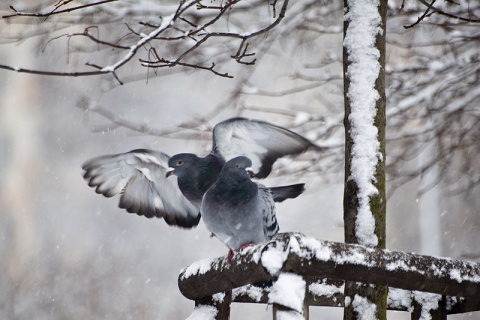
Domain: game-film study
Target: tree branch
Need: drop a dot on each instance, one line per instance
(53, 12)
(433, 9)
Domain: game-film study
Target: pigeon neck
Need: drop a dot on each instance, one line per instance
(198, 181)
(238, 191)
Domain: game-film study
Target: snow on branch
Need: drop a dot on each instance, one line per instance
(167, 22)
(363, 70)
(180, 34)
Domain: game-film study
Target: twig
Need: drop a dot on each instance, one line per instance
(48, 14)
(434, 9)
(422, 16)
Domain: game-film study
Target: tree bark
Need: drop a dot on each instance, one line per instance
(378, 294)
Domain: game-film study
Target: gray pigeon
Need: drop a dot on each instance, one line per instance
(140, 175)
(240, 212)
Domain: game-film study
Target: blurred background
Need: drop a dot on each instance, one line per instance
(68, 253)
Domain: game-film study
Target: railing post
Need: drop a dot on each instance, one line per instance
(289, 313)
(217, 307)
(288, 297)
(424, 307)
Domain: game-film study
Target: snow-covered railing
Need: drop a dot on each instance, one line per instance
(290, 272)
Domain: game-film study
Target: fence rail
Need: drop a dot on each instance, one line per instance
(322, 267)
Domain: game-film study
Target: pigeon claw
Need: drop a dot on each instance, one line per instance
(246, 245)
(229, 256)
(231, 252)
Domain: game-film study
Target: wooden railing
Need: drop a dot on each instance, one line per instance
(316, 271)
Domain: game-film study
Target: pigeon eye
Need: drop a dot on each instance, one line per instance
(237, 165)
(179, 162)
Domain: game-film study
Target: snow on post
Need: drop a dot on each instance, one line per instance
(288, 291)
(364, 308)
(203, 313)
(428, 301)
(363, 70)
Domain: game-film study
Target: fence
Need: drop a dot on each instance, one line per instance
(311, 272)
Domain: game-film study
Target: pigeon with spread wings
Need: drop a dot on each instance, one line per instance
(140, 176)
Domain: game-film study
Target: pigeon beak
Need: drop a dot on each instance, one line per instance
(250, 172)
(169, 172)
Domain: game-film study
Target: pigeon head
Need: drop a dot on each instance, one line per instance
(240, 165)
(182, 164)
(195, 175)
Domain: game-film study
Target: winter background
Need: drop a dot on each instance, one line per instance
(68, 253)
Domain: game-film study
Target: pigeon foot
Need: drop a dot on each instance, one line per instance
(229, 256)
(246, 245)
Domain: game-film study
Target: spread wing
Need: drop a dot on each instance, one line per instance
(139, 176)
(260, 141)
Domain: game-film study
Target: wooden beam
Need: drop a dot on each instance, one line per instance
(335, 298)
(308, 257)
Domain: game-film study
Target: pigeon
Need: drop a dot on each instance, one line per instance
(240, 212)
(153, 184)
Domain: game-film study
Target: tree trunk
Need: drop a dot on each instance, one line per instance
(377, 295)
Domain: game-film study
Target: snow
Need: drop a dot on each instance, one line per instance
(364, 308)
(321, 288)
(364, 25)
(399, 299)
(352, 257)
(289, 315)
(348, 300)
(203, 313)
(108, 69)
(452, 301)
(288, 291)
(301, 118)
(273, 258)
(455, 275)
(218, 297)
(428, 301)
(199, 267)
(245, 34)
(253, 292)
(321, 252)
(166, 22)
(399, 265)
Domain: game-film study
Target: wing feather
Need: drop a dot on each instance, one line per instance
(139, 176)
(260, 141)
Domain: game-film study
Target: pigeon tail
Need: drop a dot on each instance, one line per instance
(287, 192)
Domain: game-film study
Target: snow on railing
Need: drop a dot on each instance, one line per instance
(291, 272)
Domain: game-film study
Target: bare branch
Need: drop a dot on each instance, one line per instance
(53, 12)
(54, 73)
(422, 16)
(431, 9)
(161, 63)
